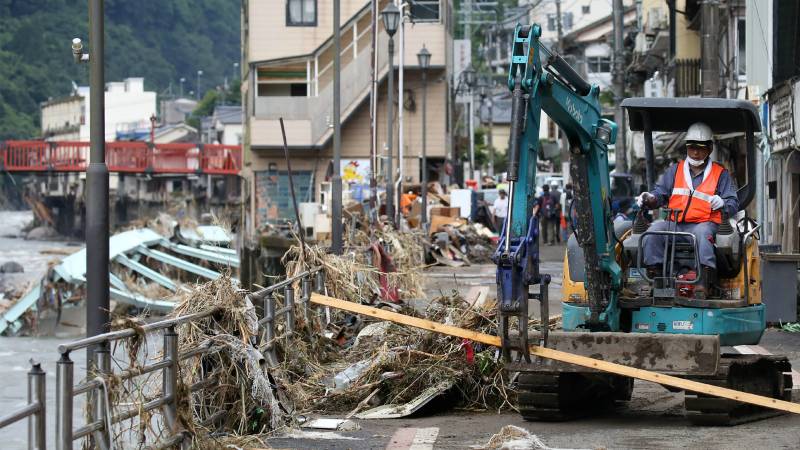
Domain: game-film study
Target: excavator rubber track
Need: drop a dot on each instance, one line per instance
(766, 375)
(548, 396)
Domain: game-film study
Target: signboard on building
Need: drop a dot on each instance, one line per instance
(462, 58)
(784, 116)
(354, 171)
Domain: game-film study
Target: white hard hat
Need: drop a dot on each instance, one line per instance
(699, 132)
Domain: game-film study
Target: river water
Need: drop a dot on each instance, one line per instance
(16, 352)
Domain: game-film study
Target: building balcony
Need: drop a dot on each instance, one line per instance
(299, 89)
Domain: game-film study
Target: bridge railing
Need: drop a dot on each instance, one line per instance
(34, 411)
(122, 156)
(165, 396)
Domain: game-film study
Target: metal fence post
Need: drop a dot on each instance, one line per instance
(320, 279)
(36, 393)
(64, 379)
(321, 290)
(102, 365)
(288, 303)
(170, 380)
(307, 287)
(269, 316)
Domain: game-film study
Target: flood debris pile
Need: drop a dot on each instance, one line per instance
(392, 371)
(458, 244)
(238, 399)
(385, 268)
(242, 386)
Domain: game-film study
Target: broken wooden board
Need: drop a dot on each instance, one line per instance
(406, 409)
(570, 358)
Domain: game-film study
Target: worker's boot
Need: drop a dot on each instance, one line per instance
(703, 289)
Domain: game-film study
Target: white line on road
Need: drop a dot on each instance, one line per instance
(413, 439)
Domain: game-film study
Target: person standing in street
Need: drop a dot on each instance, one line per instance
(548, 210)
(500, 210)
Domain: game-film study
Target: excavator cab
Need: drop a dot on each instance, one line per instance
(735, 119)
(648, 303)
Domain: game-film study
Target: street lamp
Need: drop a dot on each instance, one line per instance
(424, 58)
(183, 80)
(469, 76)
(486, 84)
(391, 18)
(469, 81)
(199, 73)
(236, 73)
(97, 221)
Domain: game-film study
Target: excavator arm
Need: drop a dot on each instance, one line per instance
(542, 81)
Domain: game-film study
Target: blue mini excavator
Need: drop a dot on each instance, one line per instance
(612, 309)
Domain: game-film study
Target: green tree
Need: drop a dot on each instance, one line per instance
(161, 41)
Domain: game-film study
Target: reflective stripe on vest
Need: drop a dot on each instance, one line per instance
(696, 203)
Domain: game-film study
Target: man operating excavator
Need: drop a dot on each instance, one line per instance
(703, 192)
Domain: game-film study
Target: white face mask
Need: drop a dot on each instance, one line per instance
(695, 162)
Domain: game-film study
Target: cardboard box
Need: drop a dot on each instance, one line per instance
(445, 211)
(438, 221)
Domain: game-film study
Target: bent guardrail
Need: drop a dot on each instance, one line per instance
(158, 398)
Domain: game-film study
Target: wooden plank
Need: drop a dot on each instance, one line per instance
(543, 352)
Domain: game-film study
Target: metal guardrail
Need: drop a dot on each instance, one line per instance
(287, 310)
(34, 411)
(100, 415)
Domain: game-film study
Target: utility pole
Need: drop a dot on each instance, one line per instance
(468, 36)
(619, 88)
(97, 282)
(709, 30)
(373, 110)
(336, 203)
(491, 125)
(562, 138)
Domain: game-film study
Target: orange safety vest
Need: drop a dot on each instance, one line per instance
(695, 204)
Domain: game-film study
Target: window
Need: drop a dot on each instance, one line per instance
(598, 64)
(586, 9)
(425, 11)
(566, 20)
(301, 13)
(551, 22)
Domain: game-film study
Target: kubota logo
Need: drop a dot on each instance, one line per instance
(573, 110)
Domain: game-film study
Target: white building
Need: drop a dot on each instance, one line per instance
(224, 126)
(128, 108)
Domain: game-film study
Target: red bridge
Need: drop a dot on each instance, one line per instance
(122, 156)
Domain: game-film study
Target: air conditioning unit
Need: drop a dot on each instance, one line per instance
(656, 20)
(642, 44)
(308, 217)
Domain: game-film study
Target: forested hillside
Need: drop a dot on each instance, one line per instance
(160, 40)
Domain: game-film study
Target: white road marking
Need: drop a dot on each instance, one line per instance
(424, 439)
(413, 439)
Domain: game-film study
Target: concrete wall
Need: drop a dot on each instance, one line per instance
(758, 45)
(266, 18)
(687, 42)
(63, 117)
